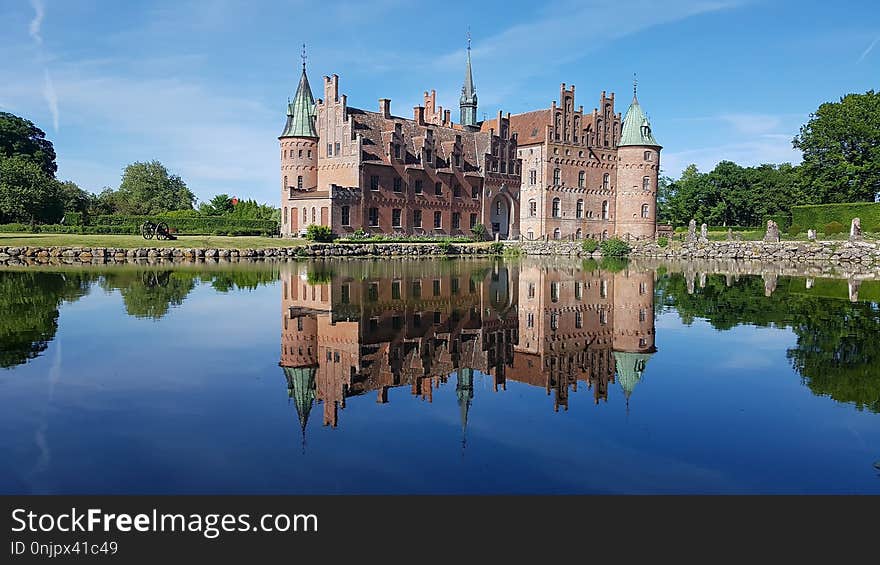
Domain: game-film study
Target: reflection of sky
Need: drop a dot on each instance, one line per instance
(196, 402)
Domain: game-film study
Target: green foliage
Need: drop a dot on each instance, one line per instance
(251, 210)
(496, 248)
(794, 229)
(614, 247)
(148, 189)
(200, 225)
(841, 153)
(27, 193)
(21, 138)
(512, 250)
(613, 264)
(479, 232)
(832, 228)
(73, 198)
(445, 247)
(319, 233)
(319, 274)
(217, 206)
(590, 245)
(361, 237)
(663, 241)
(782, 220)
(816, 216)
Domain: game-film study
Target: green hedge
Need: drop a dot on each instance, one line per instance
(817, 216)
(784, 221)
(205, 225)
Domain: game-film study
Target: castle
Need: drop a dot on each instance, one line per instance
(555, 173)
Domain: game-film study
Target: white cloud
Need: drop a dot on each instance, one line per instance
(867, 51)
(752, 124)
(51, 97)
(37, 22)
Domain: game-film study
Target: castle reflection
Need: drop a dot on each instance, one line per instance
(356, 328)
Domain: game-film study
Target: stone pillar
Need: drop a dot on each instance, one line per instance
(729, 234)
(772, 234)
(769, 282)
(853, 287)
(811, 234)
(855, 230)
(810, 281)
(692, 231)
(704, 233)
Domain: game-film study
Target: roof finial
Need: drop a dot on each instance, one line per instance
(304, 56)
(635, 85)
(469, 38)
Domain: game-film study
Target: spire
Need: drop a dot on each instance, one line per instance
(301, 112)
(629, 368)
(464, 390)
(301, 388)
(636, 128)
(468, 100)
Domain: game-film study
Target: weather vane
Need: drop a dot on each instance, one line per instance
(304, 56)
(635, 84)
(469, 37)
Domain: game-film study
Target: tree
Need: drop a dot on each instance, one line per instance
(27, 194)
(148, 188)
(20, 137)
(217, 206)
(841, 146)
(73, 198)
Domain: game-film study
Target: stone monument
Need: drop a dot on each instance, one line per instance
(704, 234)
(692, 231)
(772, 235)
(855, 230)
(811, 234)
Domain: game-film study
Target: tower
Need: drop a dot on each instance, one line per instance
(468, 101)
(633, 341)
(299, 151)
(638, 170)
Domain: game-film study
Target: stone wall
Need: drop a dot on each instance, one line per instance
(837, 252)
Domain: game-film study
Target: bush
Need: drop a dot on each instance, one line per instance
(445, 247)
(614, 247)
(479, 232)
(590, 245)
(74, 219)
(322, 234)
(663, 241)
(794, 229)
(832, 228)
(196, 225)
(496, 247)
(823, 214)
(382, 238)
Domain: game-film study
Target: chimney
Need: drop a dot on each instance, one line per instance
(385, 107)
(419, 115)
(447, 118)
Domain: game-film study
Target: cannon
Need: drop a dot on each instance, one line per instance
(158, 230)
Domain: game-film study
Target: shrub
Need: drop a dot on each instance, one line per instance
(496, 247)
(201, 225)
(832, 228)
(445, 247)
(319, 276)
(318, 233)
(819, 215)
(479, 232)
(663, 241)
(614, 247)
(612, 264)
(794, 229)
(590, 245)
(74, 218)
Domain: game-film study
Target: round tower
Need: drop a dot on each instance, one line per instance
(633, 341)
(298, 146)
(638, 171)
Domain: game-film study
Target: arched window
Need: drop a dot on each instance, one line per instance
(577, 128)
(579, 211)
(555, 211)
(645, 210)
(604, 234)
(305, 215)
(285, 182)
(531, 234)
(579, 234)
(582, 177)
(606, 181)
(604, 209)
(314, 214)
(558, 125)
(557, 176)
(299, 182)
(648, 156)
(646, 183)
(557, 234)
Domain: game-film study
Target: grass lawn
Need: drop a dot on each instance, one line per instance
(134, 241)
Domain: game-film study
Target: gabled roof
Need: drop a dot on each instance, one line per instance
(301, 112)
(529, 127)
(636, 128)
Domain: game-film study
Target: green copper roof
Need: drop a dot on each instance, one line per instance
(636, 128)
(468, 101)
(301, 112)
(630, 367)
(301, 388)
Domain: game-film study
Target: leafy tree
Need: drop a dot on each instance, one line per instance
(251, 210)
(104, 203)
(217, 206)
(841, 145)
(148, 188)
(73, 198)
(150, 293)
(20, 137)
(27, 194)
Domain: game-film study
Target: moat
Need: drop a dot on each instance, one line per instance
(476, 375)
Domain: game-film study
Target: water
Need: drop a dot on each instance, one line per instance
(437, 376)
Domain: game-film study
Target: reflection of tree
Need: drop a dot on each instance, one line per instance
(29, 303)
(837, 351)
(150, 293)
(227, 281)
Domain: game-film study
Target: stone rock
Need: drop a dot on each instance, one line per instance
(692, 231)
(704, 233)
(811, 234)
(772, 233)
(855, 230)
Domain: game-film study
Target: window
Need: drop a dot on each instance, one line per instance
(395, 290)
(533, 177)
(473, 220)
(533, 208)
(645, 210)
(314, 214)
(346, 216)
(475, 192)
(299, 182)
(329, 149)
(578, 319)
(603, 316)
(603, 288)
(456, 285)
(428, 156)
(579, 234)
(557, 176)
(531, 234)
(374, 217)
(578, 290)
(417, 218)
(643, 315)
(373, 292)
(395, 218)
(643, 342)
(604, 209)
(582, 177)
(285, 215)
(305, 215)
(438, 188)
(301, 153)
(346, 293)
(398, 185)
(606, 181)
(374, 182)
(499, 208)
(438, 220)
(554, 321)
(310, 153)
(555, 210)
(456, 191)
(417, 289)
(531, 290)
(285, 153)
(456, 220)
(337, 148)
(646, 183)
(396, 151)
(530, 320)
(643, 288)
(417, 187)
(437, 317)
(579, 211)
(557, 234)
(457, 159)
(435, 287)
(648, 156)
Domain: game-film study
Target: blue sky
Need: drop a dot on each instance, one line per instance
(202, 85)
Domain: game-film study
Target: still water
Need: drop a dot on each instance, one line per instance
(437, 376)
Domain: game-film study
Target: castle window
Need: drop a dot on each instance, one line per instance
(346, 216)
(579, 211)
(643, 315)
(554, 291)
(417, 293)
(582, 177)
(473, 221)
(346, 293)
(455, 285)
(417, 188)
(305, 215)
(285, 218)
(398, 185)
(603, 316)
(435, 287)
(530, 234)
(530, 320)
(643, 288)
(531, 290)
(533, 177)
(456, 220)
(604, 209)
(578, 290)
(646, 183)
(301, 153)
(337, 148)
(533, 208)
(579, 234)
(329, 149)
(374, 182)
(310, 153)
(643, 342)
(504, 167)
(578, 319)
(603, 289)
(438, 220)
(285, 182)
(438, 188)
(285, 153)
(456, 191)
(557, 176)
(557, 234)
(374, 217)
(645, 210)
(648, 156)
(373, 292)
(395, 218)
(299, 182)
(475, 192)
(498, 208)
(606, 181)
(417, 218)
(555, 210)
(554, 321)
(314, 214)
